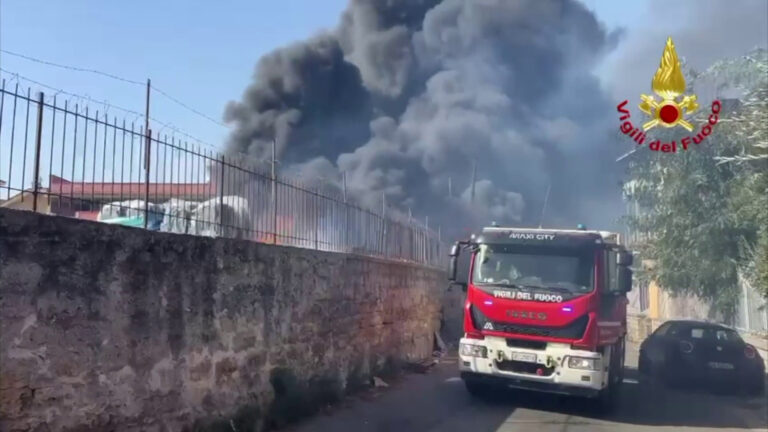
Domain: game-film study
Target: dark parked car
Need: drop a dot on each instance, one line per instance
(693, 352)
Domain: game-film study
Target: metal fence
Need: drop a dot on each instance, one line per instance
(752, 311)
(67, 159)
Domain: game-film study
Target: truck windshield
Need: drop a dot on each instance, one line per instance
(513, 266)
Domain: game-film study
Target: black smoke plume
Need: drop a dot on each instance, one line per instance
(405, 96)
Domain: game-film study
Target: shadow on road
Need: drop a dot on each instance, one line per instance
(437, 401)
(653, 404)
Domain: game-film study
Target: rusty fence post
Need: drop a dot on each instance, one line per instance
(146, 156)
(316, 211)
(147, 162)
(345, 239)
(221, 196)
(273, 179)
(38, 143)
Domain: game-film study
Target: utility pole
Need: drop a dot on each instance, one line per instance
(38, 142)
(344, 186)
(474, 180)
(544, 208)
(450, 188)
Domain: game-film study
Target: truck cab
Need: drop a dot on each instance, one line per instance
(545, 310)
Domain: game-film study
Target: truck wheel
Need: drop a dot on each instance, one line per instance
(606, 401)
(622, 351)
(478, 389)
(607, 398)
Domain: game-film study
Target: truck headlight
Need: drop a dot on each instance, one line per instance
(583, 363)
(470, 350)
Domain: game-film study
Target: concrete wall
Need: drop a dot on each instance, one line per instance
(112, 328)
(664, 305)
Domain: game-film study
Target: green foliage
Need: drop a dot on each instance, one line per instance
(706, 209)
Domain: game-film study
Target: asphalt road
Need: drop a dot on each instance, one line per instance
(437, 401)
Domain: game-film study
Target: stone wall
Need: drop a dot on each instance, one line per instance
(113, 328)
(452, 325)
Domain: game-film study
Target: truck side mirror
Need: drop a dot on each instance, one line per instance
(625, 279)
(455, 249)
(452, 271)
(452, 274)
(624, 258)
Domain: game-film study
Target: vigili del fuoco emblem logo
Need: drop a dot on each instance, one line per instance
(670, 109)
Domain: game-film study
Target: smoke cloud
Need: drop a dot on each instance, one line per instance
(406, 96)
(704, 31)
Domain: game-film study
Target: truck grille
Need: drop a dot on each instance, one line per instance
(574, 330)
(524, 368)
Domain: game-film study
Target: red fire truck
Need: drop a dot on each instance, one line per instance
(545, 311)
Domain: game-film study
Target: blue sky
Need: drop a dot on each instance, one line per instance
(202, 53)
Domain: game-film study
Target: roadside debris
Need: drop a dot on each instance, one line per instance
(378, 382)
(439, 343)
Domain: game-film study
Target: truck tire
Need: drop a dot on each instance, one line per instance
(607, 399)
(622, 348)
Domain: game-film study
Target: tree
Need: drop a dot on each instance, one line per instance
(705, 209)
(749, 132)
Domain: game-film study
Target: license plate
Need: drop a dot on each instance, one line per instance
(524, 357)
(718, 365)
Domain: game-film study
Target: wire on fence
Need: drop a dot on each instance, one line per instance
(75, 162)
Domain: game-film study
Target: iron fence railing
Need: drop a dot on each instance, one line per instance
(752, 311)
(67, 159)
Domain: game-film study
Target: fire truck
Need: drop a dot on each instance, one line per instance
(545, 310)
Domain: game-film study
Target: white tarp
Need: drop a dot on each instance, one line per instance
(228, 216)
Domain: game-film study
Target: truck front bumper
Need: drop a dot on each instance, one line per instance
(524, 384)
(544, 370)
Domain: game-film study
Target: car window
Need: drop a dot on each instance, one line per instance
(713, 334)
(662, 330)
(674, 330)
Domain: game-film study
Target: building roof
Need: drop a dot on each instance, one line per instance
(102, 191)
(26, 194)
